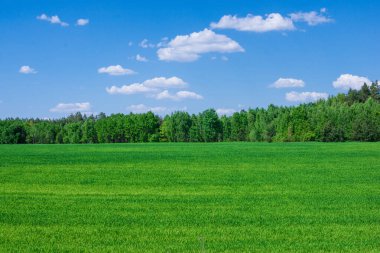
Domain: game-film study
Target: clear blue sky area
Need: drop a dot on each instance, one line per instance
(58, 57)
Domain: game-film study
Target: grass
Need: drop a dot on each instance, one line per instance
(232, 197)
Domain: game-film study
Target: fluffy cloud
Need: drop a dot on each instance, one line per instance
(347, 81)
(305, 96)
(72, 107)
(157, 88)
(148, 86)
(162, 82)
(225, 111)
(82, 22)
(141, 58)
(187, 48)
(311, 18)
(53, 19)
(271, 22)
(27, 70)
(141, 108)
(129, 89)
(288, 82)
(116, 70)
(180, 95)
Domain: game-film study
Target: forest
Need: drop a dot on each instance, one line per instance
(354, 116)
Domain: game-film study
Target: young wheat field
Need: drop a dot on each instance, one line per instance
(177, 197)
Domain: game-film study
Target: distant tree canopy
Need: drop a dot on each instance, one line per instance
(354, 116)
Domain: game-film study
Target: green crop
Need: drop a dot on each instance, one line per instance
(176, 197)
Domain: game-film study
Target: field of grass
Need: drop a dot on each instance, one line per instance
(236, 197)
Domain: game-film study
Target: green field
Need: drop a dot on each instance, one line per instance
(237, 197)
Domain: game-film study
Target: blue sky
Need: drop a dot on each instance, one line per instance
(57, 57)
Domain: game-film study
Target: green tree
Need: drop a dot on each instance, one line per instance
(211, 127)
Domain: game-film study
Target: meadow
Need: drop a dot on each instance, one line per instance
(197, 197)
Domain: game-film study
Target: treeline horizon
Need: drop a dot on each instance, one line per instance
(354, 116)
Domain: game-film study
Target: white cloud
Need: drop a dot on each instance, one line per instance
(129, 89)
(162, 82)
(148, 86)
(347, 81)
(157, 88)
(82, 22)
(225, 111)
(164, 95)
(141, 108)
(53, 19)
(311, 18)
(27, 70)
(288, 82)
(187, 48)
(141, 58)
(72, 107)
(180, 95)
(305, 96)
(271, 22)
(145, 44)
(116, 70)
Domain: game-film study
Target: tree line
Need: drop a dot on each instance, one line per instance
(354, 116)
